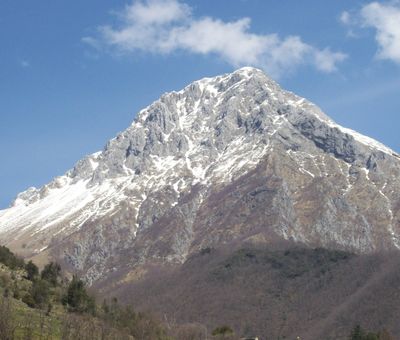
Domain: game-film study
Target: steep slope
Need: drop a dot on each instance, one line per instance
(276, 292)
(226, 159)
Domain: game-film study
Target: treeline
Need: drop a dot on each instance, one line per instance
(61, 308)
(43, 304)
(46, 288)
(359, 333)
(9, 259)
(64, 309)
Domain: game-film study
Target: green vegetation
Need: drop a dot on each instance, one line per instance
(32, 271)
(139, 325)
(223, 332)
(43, 305)
(360, 334)
(77, 298)
(51, 273)
(39, 294)
(9, 259)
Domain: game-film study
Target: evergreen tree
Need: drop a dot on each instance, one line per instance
(32, 271)
(77, 298)
(9, 259)
(40, 293)
(51, 273)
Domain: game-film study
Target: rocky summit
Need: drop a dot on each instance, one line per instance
(228, 159)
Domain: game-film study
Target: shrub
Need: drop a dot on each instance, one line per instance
(16, 291)
(223, 332)
(191, 332)
(5, 280)
(359, 334)
(28, 299)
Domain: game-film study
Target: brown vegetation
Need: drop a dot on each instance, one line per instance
(311, 293)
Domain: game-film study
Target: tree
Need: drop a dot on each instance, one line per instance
(9, 259)
(7, 321)
(191, 332)
(32, 271)
(357, 333)
(16, 290)
(77, 298)
(371, 336)
(39, 294)
(51, 273)
(223, 332)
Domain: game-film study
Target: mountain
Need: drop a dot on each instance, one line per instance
(227, 160)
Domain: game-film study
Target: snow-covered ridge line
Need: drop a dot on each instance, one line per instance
(368, 141)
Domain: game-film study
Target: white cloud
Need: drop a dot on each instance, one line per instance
(345, 18)
(385, 18)
(326, 60)
(165, 26)
(231, 40)
(156, 12)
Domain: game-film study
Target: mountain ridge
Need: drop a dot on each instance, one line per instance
(216, 137)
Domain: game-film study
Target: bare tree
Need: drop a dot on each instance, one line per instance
(191, 331)
(7, 322)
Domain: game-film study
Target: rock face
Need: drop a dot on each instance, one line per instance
(227, 159)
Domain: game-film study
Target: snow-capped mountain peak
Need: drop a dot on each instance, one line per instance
(189, 144)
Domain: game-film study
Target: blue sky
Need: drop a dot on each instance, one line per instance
(74, 73)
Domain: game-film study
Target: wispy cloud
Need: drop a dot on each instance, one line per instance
(384, 18)
(345, 18)
(24, 63)
(166, 26)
